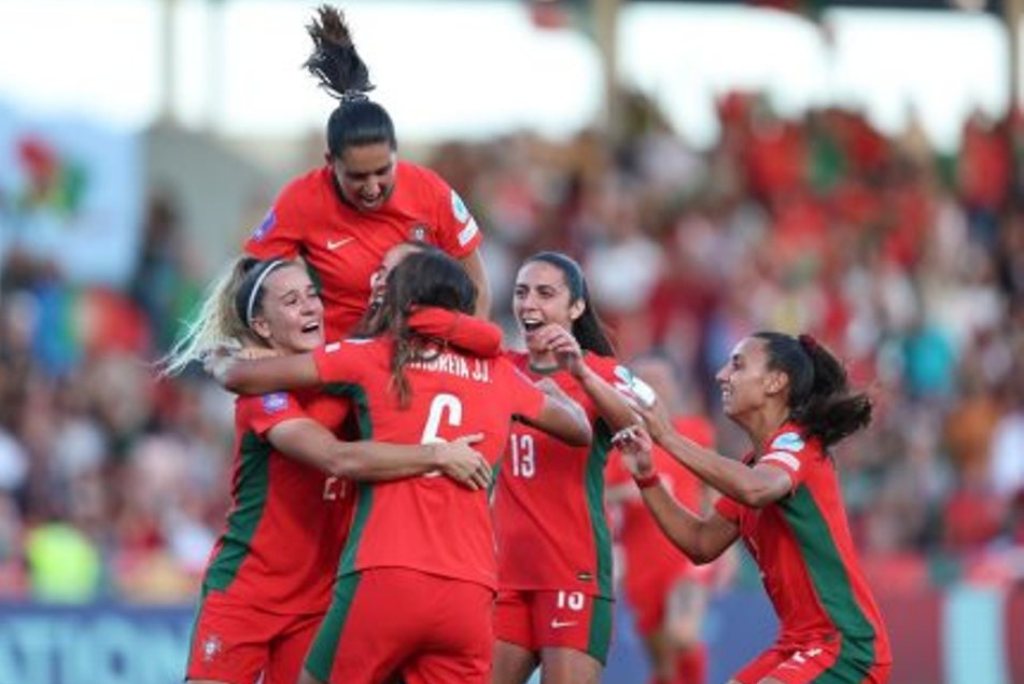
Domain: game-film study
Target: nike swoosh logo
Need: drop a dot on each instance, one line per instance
(335, 244)
(559, 624)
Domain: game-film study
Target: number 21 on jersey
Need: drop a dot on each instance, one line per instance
(523, 461)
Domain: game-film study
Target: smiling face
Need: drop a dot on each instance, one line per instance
(291, 316)
(746, 382)
(542, 296)
(366, 174)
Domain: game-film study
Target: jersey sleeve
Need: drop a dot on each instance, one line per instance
(729, 509)
(790, 452)
(261, 413)
(457, 231)
(526, 400)
(344, 361)
(625, 381)
(279, 234)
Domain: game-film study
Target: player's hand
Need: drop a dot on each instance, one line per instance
(635, 444)
(459, 461)
(217, 362)
(559, 341)
(655, 416)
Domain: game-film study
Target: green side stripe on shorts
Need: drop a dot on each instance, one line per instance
(254, 479)
(594, 484)
(600, 629)
(194, 631)
(320, 660)
(832, 584)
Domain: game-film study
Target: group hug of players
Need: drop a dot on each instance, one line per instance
(414, 502)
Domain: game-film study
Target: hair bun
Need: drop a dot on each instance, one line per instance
(808, 342)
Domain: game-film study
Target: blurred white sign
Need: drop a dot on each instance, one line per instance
(70, 193)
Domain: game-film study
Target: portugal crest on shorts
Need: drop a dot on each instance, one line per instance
(211, 647)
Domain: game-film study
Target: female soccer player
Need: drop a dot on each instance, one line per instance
(418, 575)
(343, 217)
(268, 583)
(792, 398)
(555, 564)
(667, 592)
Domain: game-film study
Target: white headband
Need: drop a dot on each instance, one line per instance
(256, 288)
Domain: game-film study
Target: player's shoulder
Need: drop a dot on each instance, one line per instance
(791, 439)
(299, 192)
(607, 366)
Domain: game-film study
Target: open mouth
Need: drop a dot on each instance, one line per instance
(531, 325)
(310, 327)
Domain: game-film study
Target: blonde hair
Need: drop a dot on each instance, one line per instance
(217, 323)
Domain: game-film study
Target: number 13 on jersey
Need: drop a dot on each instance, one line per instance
(523, 462)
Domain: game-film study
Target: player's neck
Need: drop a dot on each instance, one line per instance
(760, 426)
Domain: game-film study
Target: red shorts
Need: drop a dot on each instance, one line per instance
(563, 619)
(800, 666)
(384, 621)
(233, 642)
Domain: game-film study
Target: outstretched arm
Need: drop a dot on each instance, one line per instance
(755, 487)
(259, 376)
(702, 539)
(610, 403)
(308, 441)
(561, 417)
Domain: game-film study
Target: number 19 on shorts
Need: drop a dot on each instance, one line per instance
(523, 463)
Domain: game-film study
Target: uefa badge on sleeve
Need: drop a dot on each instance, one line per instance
(275, 402)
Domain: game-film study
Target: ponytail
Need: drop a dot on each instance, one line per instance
(820, 398)
(357, 120)
(217, 323)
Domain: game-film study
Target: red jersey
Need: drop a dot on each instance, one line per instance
(428, 523)
(344, 246)
(803, 547)
(549, 505)
(648, 554)
(288, 521)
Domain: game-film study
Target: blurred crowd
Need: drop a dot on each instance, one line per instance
(908, 263)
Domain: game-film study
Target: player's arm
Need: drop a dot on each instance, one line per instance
(308, 441)
(259, 376)
(278, 235)
(702, 539)
(755, 487)
(560, 416)
(474, 266)
(611, 405)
